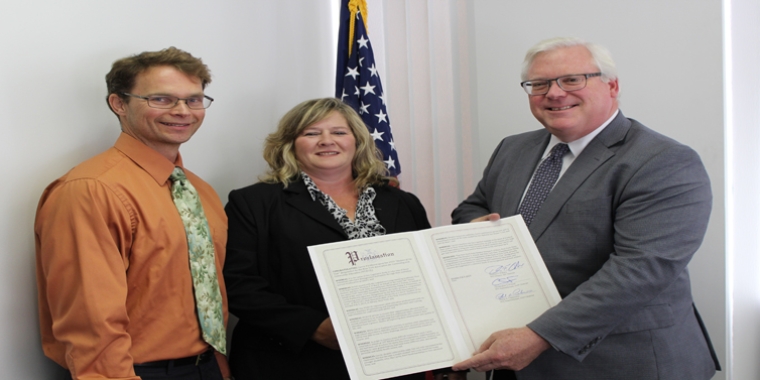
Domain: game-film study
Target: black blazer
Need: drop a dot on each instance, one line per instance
(271, 285)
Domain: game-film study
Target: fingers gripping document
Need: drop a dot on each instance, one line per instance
(415, 301)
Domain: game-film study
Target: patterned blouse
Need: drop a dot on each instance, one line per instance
(365, 222)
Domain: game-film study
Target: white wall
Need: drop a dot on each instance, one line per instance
(265, 56)
(742, 93)
(668, 55)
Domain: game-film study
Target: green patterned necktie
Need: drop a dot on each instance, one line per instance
(208, 298)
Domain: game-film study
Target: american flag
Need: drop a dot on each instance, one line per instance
(357, 82)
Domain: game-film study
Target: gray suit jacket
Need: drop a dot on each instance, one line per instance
(616, 233)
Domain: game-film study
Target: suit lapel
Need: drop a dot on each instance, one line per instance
(299, 198)
(596, 153)
(521, 170)
(386, 208)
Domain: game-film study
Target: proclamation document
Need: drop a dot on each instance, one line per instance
(416, 301)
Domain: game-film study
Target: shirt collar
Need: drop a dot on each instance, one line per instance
(311, 187)
(577, 146)
(148, 159)
(319, 194)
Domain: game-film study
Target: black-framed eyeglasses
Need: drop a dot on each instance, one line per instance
(167, 101)
(573, 82)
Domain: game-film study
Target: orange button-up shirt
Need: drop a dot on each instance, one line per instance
(113, 270)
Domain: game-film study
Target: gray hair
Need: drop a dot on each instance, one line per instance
(599, 53)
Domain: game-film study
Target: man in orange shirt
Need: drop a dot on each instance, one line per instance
(116, 294)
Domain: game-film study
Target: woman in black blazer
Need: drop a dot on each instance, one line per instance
(325, 183)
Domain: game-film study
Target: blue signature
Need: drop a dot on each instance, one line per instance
(495, 269)
(515, 293)
(504, 280)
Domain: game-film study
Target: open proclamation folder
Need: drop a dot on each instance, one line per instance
(415, 301)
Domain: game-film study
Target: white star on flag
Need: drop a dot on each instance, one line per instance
(381, 116)
(352, 72)
(377, 135)
(358, 84)
(368, 89)
(362, 43)
(363, 109)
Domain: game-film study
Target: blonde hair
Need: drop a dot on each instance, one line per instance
(279, 148)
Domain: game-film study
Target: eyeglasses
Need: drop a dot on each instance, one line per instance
(568, 83)
(167, 101)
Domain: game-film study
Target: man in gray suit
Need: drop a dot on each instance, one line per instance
(616, 230)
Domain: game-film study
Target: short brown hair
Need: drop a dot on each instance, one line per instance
(124, 72)
(279, 148)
